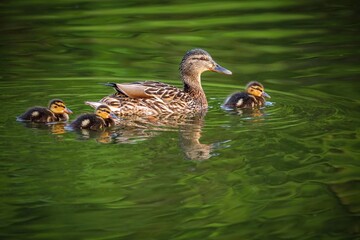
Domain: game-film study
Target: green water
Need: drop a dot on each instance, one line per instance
(288, 172)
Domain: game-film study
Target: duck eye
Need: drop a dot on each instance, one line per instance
(200, 58)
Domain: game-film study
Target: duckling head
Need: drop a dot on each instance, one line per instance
(57, 106)
(256, 89)
(197, 61)
(105, 112)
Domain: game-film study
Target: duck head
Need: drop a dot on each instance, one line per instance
(57, 106)
(256, 89)
(105, 112)
(197, 61)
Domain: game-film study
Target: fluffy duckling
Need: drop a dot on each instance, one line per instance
(56, 112)
(102, 118)
(253, 97)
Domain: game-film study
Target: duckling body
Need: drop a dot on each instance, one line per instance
(102, 118)
(156, 98)
(56, 112)
(253, 97)
(91, 121)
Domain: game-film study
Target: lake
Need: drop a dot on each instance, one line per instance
(288, 171)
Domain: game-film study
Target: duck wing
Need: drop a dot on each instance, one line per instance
(147, 89)
(132, 90)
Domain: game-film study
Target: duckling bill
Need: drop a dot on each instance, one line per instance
(102, 118)
(253, 97)
(55, 112)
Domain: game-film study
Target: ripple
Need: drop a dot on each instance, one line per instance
(291, 167)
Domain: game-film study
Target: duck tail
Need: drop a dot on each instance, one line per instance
(110, 84)
(93, 104)
(115, 86)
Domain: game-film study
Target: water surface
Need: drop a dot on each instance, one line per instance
(289, 171)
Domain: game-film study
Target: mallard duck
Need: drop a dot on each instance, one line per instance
(151, 98)
(253, 97)
(102, 118)
(56, 112)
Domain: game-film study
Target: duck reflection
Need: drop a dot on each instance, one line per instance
(189, 128)
(189, 135)
(141, 129)
(102, 136)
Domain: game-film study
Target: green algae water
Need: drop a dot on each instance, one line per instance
(289, 171)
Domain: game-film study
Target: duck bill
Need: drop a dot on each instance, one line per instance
(221, 69)
(113, 116)
(68, 111)
(264, 94)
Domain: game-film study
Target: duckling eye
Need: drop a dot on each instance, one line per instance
(203, 58)
(57, 105)
(258, 89)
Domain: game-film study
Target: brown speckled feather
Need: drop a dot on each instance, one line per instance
(163, 99)
(151, 98)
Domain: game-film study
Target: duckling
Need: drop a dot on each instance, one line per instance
(102, 118)
(152, 98)
(56, 112)
(253, 97)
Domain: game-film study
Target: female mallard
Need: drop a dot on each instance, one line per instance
(156, 98)
(102, 118)
(253, 97)
(56, 112)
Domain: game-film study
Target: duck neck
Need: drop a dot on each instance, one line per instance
(192, 86)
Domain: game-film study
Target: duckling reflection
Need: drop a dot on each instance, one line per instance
(254, 114)
(56, 128)
(101, 136)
